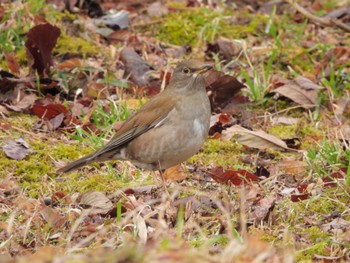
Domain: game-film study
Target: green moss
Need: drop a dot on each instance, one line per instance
(310, 131)
(20, 120)
(218, 152)
(221, 240)
(307, 254)
(75, 45)
(37, 170)
(202, 24)
(314, 234)
(283, 131)
(55, 17)
(317, 207)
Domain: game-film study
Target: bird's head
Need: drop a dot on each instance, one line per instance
(187, 73)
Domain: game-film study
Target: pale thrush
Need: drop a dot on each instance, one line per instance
(167, 130)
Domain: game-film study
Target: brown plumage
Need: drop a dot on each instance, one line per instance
(167, 130)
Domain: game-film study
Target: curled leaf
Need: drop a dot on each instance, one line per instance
(96, 202)
(254, 139)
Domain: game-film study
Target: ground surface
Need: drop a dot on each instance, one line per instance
(272, 182)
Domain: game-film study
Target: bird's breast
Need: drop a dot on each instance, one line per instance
(199, 127)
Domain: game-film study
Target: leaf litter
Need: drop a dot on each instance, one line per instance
(207, 218)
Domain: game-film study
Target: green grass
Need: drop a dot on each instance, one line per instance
(328, 157)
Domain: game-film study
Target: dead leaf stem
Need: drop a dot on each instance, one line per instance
(319, 20)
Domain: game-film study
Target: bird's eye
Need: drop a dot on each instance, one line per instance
(185, 70)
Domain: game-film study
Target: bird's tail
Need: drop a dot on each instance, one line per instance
(77, 164)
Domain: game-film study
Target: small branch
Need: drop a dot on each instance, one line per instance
(318, 20)
(149, 23)
(39, 136)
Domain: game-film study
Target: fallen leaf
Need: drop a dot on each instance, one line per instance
(226, 48)
(48, 111)
(27, 205)
(135, 67)
(340, 105)
(9, 185)
(141, 228)
(157, 9)
(96, 202)
(221, 89)
(16, 149)
(285, 120)
(175, 174)
(254, 139)
(55, 122)
(6, 82)
(261, 210)
(198, 204)
(237, 177)
(332, 179)
(4, 111)
(12, 63)
(2, 12)
(301, 90)
(177, 51)
(61, 197)
(41, 40)
(218, 122)
(337, 223)
(293, 167)
(69, 64)
(307, 84)
(301, 193)
(54, 219)
(25, 103)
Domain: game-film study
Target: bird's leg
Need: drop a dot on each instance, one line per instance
(163, 179)
(163, 182)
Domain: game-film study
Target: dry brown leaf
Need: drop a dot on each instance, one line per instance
(175, 174)
(307, 84)
(262, 209)
(16, 149)
(307, 99)
(141, 228)
(41, 40)
(27, 205)
(224, 47)
(70, 64)
(52, 217)
(301, 90)
(9, 185)
(96, 202)
(55, 122)
(254, 139)
(157, 9)
(340, 106)
(341, 132)
(293, 167)
(135, 67)
(337, 224)
(222, 89)
(284, 120)
(25, 103)
(4, 111)
(12, 63)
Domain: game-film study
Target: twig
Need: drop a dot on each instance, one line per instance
(149, 23)
(319, 20)
(32, 134)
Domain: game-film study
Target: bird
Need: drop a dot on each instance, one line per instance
(167, 130)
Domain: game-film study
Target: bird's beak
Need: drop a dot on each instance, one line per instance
(203, 69)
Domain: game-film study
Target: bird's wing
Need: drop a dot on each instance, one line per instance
(154, 113)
